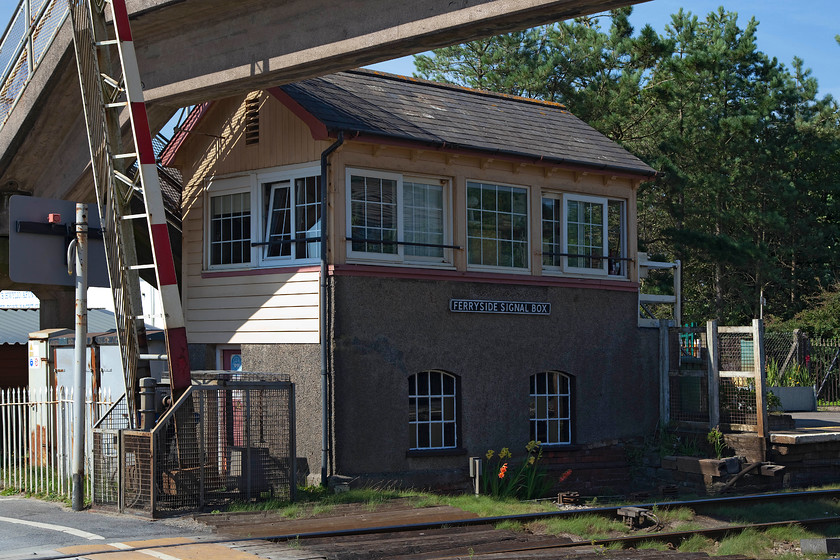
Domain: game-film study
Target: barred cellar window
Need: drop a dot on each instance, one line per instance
(551, 408)
(432, 402)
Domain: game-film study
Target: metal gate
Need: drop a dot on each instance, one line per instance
(714, 376)
(243, 448)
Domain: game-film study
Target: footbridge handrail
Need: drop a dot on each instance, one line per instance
(27, 37)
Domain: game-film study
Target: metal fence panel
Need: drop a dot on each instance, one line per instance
(36, 439)
(687, 379)
(230, 438)
(794, 359)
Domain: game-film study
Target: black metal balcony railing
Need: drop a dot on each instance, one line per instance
(27, 38)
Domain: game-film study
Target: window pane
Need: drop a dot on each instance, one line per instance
(449, 435)
(553, 432)
(436, 409)
(474, 251)
(307, 217)
(423, 383)
(488, 199)
(437, 383)
(373, 211)
(279, 231)
(520, 202)
(541, 407)
(423, 410)
(437, 435)
(541, 433)
(449, 409)
(615, 244)
(505, 204)
(585, 234)
(423, 218)
(520, 255)
(564, 433)
(488, 252)
(497, 215)
(423, 436)
(505, 253)
(230, 229)
(448, 385)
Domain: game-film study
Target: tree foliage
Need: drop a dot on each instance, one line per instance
(748, 154)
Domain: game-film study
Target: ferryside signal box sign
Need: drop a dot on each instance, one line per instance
(502, 307)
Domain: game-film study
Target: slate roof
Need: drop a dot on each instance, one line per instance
(16, 324)
(409, 109)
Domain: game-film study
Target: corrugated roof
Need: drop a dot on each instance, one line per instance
(16, 324)
(384, 105)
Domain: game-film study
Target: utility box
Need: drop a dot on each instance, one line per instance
(52, 361)
(52, 371)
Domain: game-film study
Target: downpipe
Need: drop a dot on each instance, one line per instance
(324, 298)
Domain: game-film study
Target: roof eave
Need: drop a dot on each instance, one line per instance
(512, 155)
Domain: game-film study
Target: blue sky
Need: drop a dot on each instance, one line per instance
(804, 28)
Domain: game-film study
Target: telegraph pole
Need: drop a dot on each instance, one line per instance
(80, 246)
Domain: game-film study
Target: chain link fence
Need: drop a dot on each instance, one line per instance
(736, 350)
(230, 438)
(713, 372)
(688, 381)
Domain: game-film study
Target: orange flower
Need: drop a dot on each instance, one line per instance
(502, 471)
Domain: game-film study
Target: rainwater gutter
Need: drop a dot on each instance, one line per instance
(324, 298)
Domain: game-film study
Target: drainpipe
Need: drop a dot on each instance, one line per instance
(325, 415)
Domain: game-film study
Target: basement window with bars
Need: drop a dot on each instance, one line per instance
(432, 410)
(551, 408)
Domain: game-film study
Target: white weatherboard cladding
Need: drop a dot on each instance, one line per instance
(253, 309)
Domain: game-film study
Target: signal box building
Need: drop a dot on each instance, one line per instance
(480, 286)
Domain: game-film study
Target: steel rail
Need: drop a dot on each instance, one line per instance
(673, 537)
(526, 517)
(677, 536)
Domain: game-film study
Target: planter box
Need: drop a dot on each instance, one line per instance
(796, 399)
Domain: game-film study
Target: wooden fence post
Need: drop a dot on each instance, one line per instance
(664, 378)
(714, 374)
(760, 377)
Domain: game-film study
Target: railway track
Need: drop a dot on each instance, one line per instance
(444, 535)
